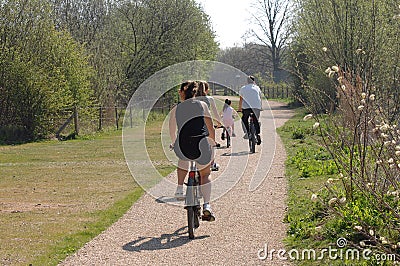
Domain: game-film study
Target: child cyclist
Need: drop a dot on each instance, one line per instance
(227, 119)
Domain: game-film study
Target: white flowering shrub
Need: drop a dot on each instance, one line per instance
(364, 141)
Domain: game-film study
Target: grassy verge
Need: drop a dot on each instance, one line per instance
(310, 225)
(56, 196)
(307, 167)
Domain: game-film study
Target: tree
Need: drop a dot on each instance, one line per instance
(250, 58)
(154, 34)
(272, 19)
(42, 71)
(358, 36)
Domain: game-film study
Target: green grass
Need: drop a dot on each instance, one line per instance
(56, 196)
(308, 167)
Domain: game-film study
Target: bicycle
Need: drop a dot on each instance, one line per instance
(192, 200)
(252, 135)
(226, 134)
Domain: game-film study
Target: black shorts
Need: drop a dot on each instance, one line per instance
(194, 149)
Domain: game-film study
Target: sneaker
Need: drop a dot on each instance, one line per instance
(208, 214)
(222, 136)
(179, 193)
(246, 136)
(258, 139)
(215, 167)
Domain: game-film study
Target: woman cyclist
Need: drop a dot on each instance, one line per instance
(202, 95)
(193, 136)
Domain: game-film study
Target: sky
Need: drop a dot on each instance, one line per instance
(230, 19)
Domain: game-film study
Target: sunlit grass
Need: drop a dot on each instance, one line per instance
(56, 196)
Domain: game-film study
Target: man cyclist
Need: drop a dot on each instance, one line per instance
(251, 102)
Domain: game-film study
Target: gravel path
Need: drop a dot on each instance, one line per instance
(249, 215)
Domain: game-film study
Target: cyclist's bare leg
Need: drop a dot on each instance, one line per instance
(205, 182)
(182, 171)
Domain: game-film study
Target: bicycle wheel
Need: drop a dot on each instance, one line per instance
(228, 138)
(252, 138)
(191, 221)
(196, 216)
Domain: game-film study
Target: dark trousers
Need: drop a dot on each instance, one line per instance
(245, 119)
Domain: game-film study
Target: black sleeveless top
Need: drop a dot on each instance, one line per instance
(190, 120)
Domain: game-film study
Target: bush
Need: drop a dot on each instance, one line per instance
(13, 134)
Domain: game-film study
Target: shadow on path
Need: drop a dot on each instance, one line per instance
(165, 241)
(242, 153)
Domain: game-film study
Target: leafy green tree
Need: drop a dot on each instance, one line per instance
(42, 71)
(154, 34)
(358, 36)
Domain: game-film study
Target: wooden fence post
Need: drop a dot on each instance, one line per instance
(76, 120)
(130, 116)
(116, 116)
(100, 118)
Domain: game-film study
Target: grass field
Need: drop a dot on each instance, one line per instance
(56, 196)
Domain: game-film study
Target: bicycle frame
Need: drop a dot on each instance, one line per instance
(192, 189)
(228, 132)
(192, 203)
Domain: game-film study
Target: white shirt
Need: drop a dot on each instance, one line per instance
(251, 95)
(228, 116)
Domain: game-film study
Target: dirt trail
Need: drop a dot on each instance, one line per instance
(155, 233)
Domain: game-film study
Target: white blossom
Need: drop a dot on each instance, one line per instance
(362, 243)
(316, 125)
(390, 160)
(343, 87)
(361, 107)
(385, 136)
(363, 95)
(330, 180)
(372, 97)
(384, 127)
(314, 197)
(324, 49)
(332, 201)
(371, 232)
(307, 117)
(358, 227)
